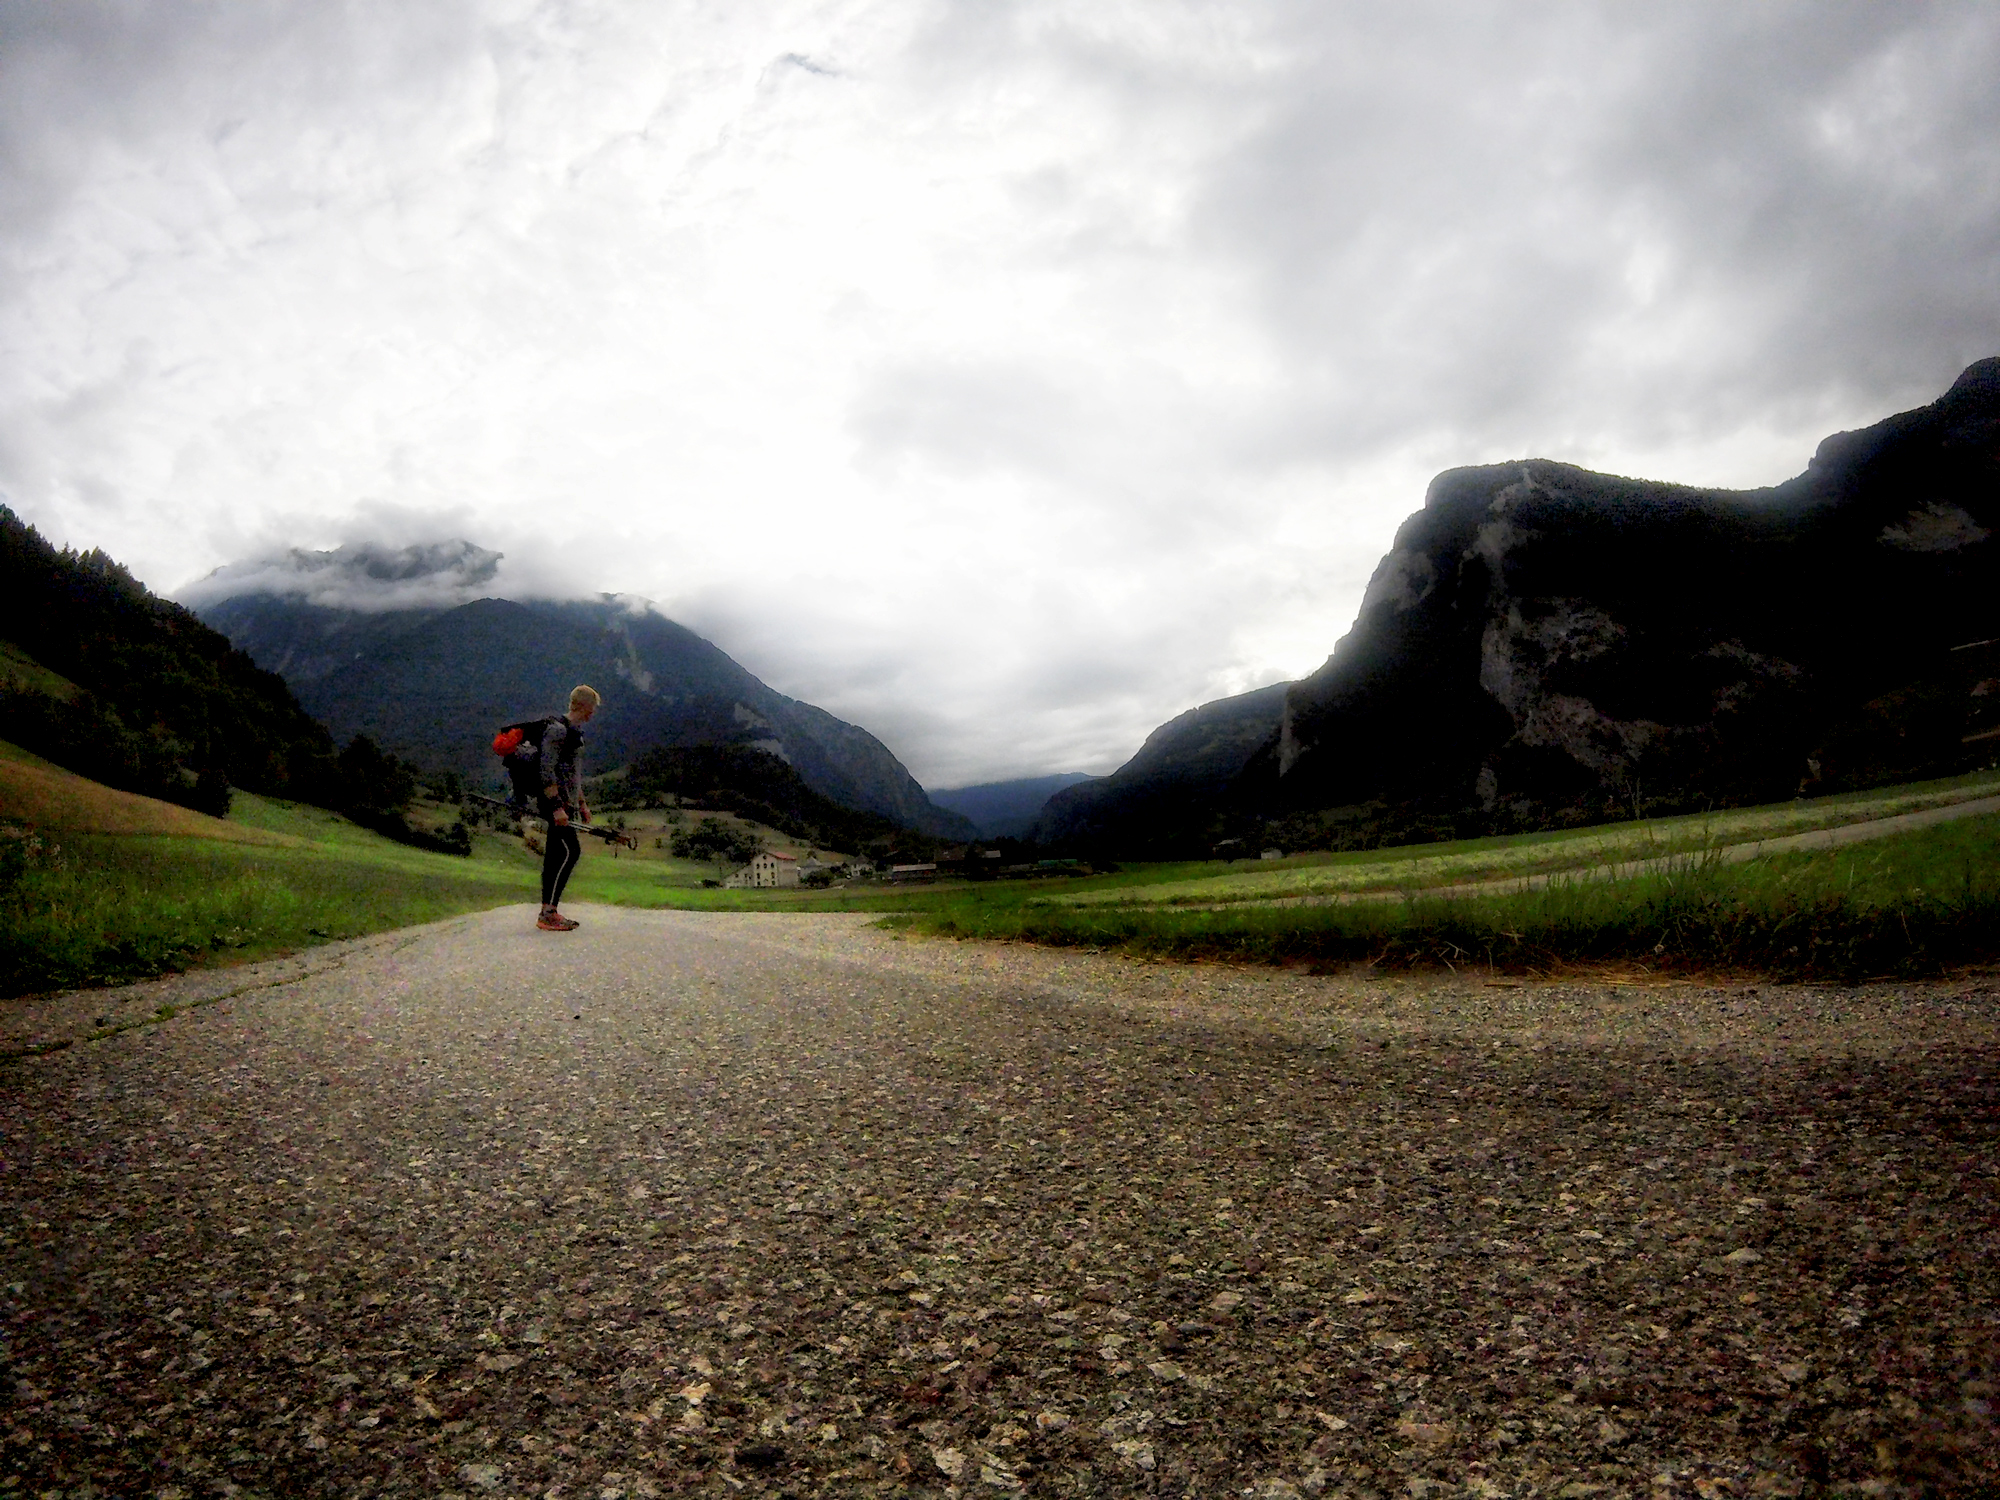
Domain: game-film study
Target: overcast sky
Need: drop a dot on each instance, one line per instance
(1003, 377)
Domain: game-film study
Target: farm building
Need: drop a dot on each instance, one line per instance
(766, 870)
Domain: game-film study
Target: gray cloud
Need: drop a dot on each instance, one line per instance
(1524, 221)
(967, 417)
(364, 576)
(1005, 377)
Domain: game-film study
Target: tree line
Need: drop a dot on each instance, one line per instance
(137, 693)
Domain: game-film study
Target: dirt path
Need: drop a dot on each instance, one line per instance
(720, 1204)
(1728, 854)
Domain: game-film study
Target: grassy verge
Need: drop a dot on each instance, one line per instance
(275, 877)
(105, 908)
(1416, 866)
(1900, 905)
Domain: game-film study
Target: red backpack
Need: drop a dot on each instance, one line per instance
(519, 747)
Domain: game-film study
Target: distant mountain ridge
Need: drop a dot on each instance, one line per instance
(432, 682)
(1157, 801)
(1007, 809)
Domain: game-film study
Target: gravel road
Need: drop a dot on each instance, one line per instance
(719, 1204)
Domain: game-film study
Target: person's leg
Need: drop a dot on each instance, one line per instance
(560, 853)
(565, 849)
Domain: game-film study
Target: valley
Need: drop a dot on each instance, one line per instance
(1580, 718)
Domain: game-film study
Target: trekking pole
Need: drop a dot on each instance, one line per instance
(609, 835)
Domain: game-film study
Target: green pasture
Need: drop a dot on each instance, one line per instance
(23, 673)
(101, 908)
(1425, 866)
(1904, 903)
(1908, 903)
(97, 907)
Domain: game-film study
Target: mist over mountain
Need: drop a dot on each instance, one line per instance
(1007, 809)
(364, 577)
(382, 642)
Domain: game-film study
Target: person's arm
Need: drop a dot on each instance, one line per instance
(554, 738)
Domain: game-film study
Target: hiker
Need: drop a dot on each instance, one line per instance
(561, 801)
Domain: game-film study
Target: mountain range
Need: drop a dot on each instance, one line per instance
(1541, 636)
(432, 676)
(1541, 644)
(1185, 766)
(1544, 643)
(1007, 809)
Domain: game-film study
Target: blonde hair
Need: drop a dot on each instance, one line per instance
(583, 695)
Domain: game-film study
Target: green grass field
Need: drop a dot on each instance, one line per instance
(1908, 903)
(93, 907)
(1425, 866)
(1901, 904)
(114, 887)
(118, 887)
(22, 672)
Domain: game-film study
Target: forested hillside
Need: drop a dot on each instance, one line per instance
(106, 679)
(154, 701)
(756, 784)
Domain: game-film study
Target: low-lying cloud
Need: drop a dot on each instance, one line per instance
(366, 576)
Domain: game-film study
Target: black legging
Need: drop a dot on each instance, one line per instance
(562, 852)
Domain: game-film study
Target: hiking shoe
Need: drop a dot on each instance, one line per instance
(552, 921)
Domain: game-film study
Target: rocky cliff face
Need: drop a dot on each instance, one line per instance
(433, 682)
(1541, 636)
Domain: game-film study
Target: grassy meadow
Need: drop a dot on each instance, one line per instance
(1428, 866)
(23, 673)
(110, 886)
(114, 887)
(1908, 903)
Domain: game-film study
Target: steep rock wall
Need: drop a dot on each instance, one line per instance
(1541, 635)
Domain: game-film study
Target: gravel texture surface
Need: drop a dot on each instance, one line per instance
(719, 1204)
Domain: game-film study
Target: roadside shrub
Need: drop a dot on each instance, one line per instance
(372, 782)
(23, 852)
(456, 839)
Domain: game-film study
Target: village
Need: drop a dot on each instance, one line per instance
(773, 868)
(738, 853)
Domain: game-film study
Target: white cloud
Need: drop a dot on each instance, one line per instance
(365, 576)
(1004, 377)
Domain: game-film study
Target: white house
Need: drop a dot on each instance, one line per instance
(770, 869)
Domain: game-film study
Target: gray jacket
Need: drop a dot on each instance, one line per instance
(562, 764)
